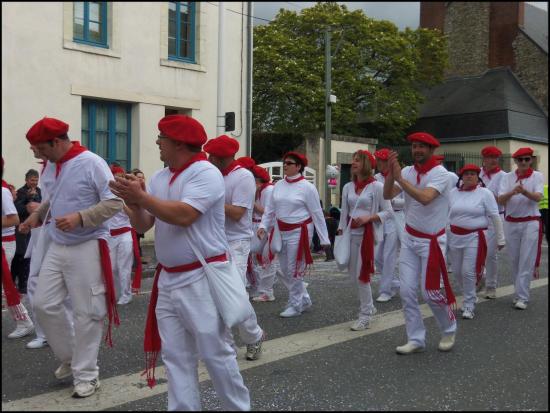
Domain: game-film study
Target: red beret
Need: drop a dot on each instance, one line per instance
(423, 137)
(523, 152)
(261, 173)
(371, 158)
(46, 129)
(117, 170)
(223, 146)
(246, 162)
(184, 129)
(301, 158)
(491, 151)
(469, 167)
(382, 154)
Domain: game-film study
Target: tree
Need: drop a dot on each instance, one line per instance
(378, 72)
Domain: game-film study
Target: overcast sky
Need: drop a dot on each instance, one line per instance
(402, 14)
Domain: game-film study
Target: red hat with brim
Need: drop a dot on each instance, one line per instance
(382, 154)
(261, 173)
(46, 129)
(301, 158)
(223, 146)
(372, 159)
(423, 137)
(469, 167)
(522, 152)
(247, 162)
(184, 129)
(491, 151)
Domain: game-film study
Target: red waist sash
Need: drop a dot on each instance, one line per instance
(481, 247)
(367, 251)
(8, 238)
(303, 245)
(539, 243)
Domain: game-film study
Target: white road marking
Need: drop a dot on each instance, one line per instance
(130, 387)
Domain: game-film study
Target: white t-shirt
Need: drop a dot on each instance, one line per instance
(119, 220)
(453, 179)
(266, 197)
(293, 203)
(519, 205)
(470, 210)
(84, 183)
(493, 184)
(431, 218)
(8, 208)
(397, 203)
(200, 186)
(240, 190)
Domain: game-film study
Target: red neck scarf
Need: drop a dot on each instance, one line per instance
(264, 186)
(360, 185)
(473, 188)
(43, 163)
(291, 181)
(527, 174)
(493, 171)
(176, 171)
(5, 184)
(425, 168)
(73, 152)
(233, 166)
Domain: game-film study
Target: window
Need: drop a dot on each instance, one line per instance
(90, 23)
(181, 31)
(106, 130)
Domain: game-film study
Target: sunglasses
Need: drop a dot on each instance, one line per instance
(523, 159)
(290, 163)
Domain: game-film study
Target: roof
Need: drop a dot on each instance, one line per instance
(493, 105)
(535, 25)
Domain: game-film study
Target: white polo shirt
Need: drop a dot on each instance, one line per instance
(240, 190)
(200, 186)
(519, 205)
(266, 197)
(8, 208)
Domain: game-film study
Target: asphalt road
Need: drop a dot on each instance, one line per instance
(313, 362)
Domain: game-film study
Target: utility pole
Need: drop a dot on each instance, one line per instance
(328, 114)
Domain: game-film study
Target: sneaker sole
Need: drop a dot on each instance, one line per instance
(416, 350)
(82, 396)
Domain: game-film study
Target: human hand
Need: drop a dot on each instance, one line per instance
(339, 232)
(130, 188)
(360, 221)
(261, 233)
(31, 222)
(68, 222)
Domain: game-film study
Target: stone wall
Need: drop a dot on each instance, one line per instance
(532, 68)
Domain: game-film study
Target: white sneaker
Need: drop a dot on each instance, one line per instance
(85, 388)
(359, 325)
(63, 371)
(124, 300)
(384, 298)
(23, 328)
(409, 348)
(263, 298)
(37, 343)
(468, 314)
(290, 312)
(520, 305)
(447, 342)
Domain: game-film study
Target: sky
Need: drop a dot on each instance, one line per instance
(402, 14)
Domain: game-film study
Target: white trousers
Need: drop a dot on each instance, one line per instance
(9, 249)
(191, 328)
(249, 330)
(73, 270)
(366, 305)
(385, 260)
(491, 263)
(265, 275)
(413, 260)
(121, 249)
(521, 245)
(298, 296)
(464, 267)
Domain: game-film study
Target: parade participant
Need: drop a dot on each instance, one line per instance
(387, 248)
(295, 209)
(185, 203)
(426, 190)
(363, 202)
(491, 174)
(471, 208)
(246, 162)
(123, 247)
(77, 262)
(520, 192)
(23, 324)
(264, 268)
(140, 175)
(240, 188)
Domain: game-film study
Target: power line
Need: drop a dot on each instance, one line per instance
(243, 14)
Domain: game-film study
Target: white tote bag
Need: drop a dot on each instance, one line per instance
(37, 248)
(257, 245)
(342, 243)
(227, 289)
(277, 241)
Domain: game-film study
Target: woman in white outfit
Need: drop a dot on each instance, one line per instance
(471, 208)
(363, 202)
(295, 210)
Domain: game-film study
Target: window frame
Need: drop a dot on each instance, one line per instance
(103, 10)
(192, 12)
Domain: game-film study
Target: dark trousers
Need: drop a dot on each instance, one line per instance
(20, 272)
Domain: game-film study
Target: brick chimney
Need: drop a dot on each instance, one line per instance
(505, 18)
(432, 15)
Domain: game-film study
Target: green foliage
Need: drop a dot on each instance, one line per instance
(378, 72)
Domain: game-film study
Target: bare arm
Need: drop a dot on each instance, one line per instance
(234, 212)
(10, 220)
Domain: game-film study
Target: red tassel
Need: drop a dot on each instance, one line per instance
(109, 289)
(136, 281)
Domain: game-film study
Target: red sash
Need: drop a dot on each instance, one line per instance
(539, 243)
(435, 268)
(303, 246)
(73, 152)
(12, 295)
(367, 252)
(151, 339)
(110, 295)
(136, 281)
(8, 238)
(481, 247)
